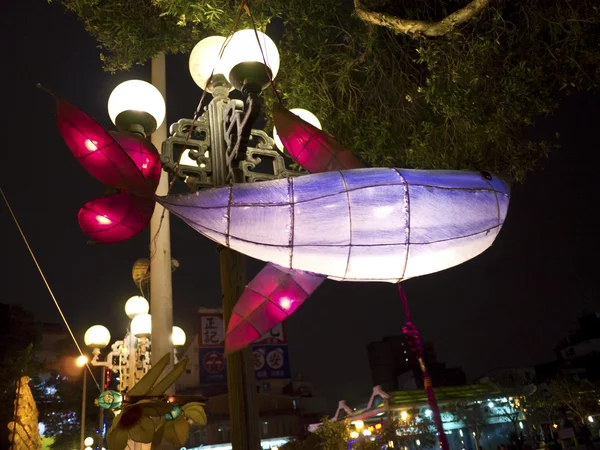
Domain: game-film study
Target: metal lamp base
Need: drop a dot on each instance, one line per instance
(250, 77)
(138, 122)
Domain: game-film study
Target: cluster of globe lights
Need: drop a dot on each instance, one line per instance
(237, 62)
(136, 308)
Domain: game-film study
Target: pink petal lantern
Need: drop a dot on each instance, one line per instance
(310, 147)
(274, 294)
(116, 217)
(144, 155)
(98, 152)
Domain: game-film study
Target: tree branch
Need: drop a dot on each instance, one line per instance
(421, 27)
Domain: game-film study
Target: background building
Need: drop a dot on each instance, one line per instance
(286, 404)
(394, 367)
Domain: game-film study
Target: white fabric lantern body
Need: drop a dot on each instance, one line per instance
(357, 225)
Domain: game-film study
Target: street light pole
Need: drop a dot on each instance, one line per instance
(161, 289)
(241, 385)
(83, 398)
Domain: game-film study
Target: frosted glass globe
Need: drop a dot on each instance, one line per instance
(243, 48)
(141, 325)
(136, 305)
(304, 115)
(88, 441)
(136, 96)
(97, 336)
(178, 336)
(204, 57)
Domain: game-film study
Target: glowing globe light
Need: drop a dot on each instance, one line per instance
(204, 58)
(92, 146)
(103, 220)
(243, 62)
(304, 115)
(285, 303)
(137, 106)
(82, 360)
(178, 337)
(97, 336)
(136, 305)
(141, 325)
(88, 441)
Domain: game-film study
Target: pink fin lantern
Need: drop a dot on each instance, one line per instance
(256, 309)
(310, 147)
(115, 217)
(274, 294)
(128, 163)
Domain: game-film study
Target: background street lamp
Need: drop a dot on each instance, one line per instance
(130, 356)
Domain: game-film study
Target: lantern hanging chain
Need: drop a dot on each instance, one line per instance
(269, 74)
(47, 285)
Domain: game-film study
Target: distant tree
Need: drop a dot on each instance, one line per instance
(474, 415)
(413, 430)
(541, 407)
(59, 398)
(514, 387)
(580, 397)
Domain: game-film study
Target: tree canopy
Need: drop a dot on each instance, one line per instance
(436, 84)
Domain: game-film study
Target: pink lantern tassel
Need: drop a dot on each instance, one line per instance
(412, 335)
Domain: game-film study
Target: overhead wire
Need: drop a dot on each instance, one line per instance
(47, 285)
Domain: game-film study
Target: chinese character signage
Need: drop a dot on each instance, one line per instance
(212, 330)
(271, 362)
(270, 351)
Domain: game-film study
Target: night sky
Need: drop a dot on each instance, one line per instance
(507, 307)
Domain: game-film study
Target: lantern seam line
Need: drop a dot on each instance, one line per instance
(407, 205)
(349, 223)
(229, 215)
(266, 205)
(292, 218)
(497, 202)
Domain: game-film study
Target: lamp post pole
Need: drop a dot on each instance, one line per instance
(161, 290)
(241, 385)
(82, 437)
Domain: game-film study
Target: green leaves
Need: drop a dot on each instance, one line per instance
(465, 100)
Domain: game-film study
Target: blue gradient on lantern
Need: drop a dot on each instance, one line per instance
(375, 224)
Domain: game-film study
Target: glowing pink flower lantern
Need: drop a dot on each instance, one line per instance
(123, 161)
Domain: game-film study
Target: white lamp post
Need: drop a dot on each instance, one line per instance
(81, 362)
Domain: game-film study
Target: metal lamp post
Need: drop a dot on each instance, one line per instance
(216, 149)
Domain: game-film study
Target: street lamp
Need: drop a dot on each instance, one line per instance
(178, 340)
(137, 107)
(130, 356)
(82, 361)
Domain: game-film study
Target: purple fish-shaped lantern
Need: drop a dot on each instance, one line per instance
(356, 225)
